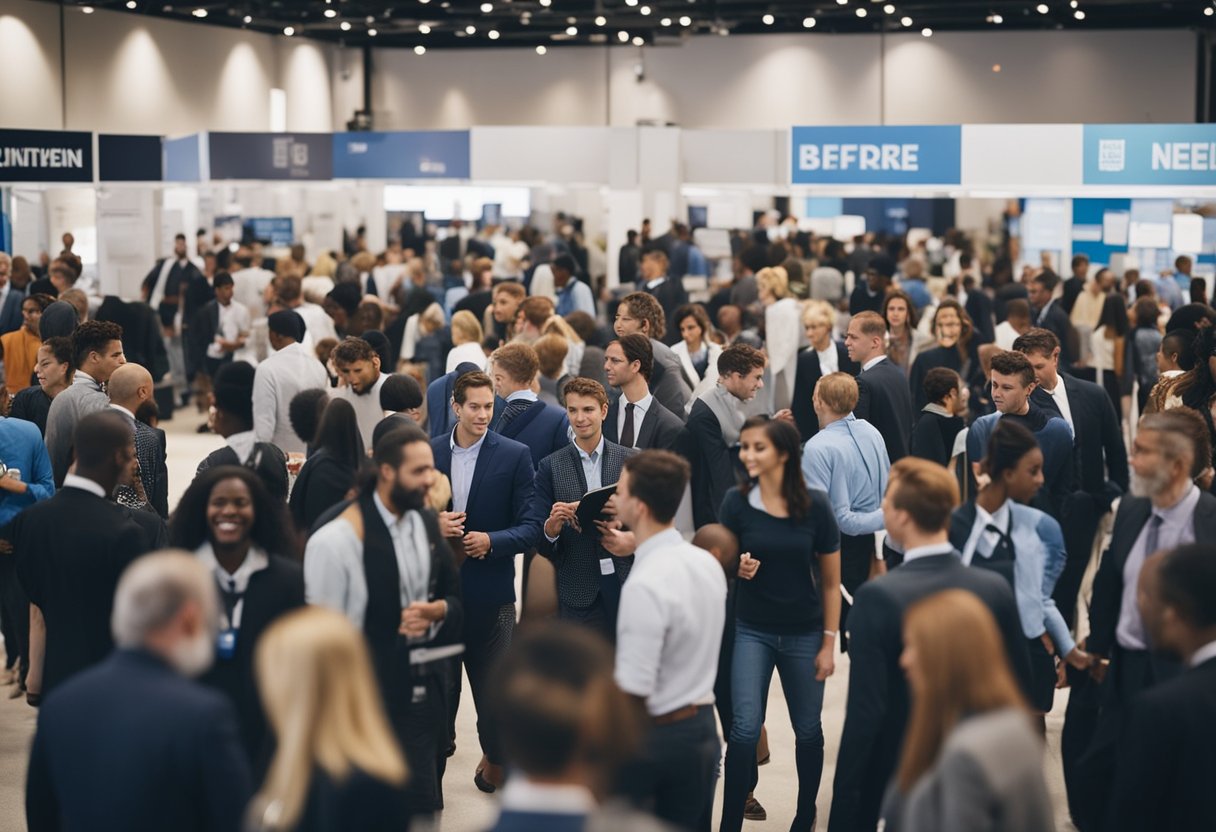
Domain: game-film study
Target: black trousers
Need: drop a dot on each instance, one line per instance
(673, 778)
(856, 552)
(14, 617)
(487, 635)
(420, 725)
(1079, 518)
(596, 617)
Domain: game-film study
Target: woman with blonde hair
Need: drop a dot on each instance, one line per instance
(337, 764)
(466, 341)
(557, 325)
(824, 356)
(972, 759)
(781, 334)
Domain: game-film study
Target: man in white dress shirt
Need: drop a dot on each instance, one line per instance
(289, 370)
(358, 365)
(669, 631)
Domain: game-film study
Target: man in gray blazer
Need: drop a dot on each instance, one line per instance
(589, 577)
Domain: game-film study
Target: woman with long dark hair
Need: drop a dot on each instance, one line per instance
(329, 474)
(955, 350)
(787, 610)
(906, 341)
(233, 525)
(1107, 345)
(967, 719)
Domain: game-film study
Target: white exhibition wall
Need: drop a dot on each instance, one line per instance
(138, 74)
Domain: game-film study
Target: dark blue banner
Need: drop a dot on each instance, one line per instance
(422, 154)
(129, 158)
(296, 156)
(45, 156)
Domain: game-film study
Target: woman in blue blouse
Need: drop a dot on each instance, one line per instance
(787, 609)
(997, 531)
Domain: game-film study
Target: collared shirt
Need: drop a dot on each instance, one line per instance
(522, 795)
(236, 582)
(669, 629)
(593, 464)
(982, 541)
(84, 484)
(640, 407)
(1203, 654)
(829, 361)
(928, 551)
(234, 319)
(333, 564)
(1177, 527)
(651, 285)
(1061, 398)
(525, 395)
(872, 362)
(464, 463)
(242, 443)
(848, 460)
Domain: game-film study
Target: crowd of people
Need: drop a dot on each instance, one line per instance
(906, 456)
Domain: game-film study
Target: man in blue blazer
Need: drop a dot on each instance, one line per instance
(520, 414)
(132, 743)
(489, 521)
(440, 418)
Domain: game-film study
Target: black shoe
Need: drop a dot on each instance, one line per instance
(483, 784)
(752, 810)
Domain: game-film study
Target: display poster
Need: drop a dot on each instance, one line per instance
(876, 155)
(1187, 234)
(1151, 223)
(45, 156)
(418, 154)
(271, 156)
(1150, 154)
(1114, 227)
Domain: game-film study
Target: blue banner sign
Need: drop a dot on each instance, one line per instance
(271, 156)
(45, 156)
(876, 155)
(423, 154)
(1150, 154)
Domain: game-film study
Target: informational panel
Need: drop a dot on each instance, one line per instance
(271, 156)
(876, 155)
(423, 154)
(1151, 223)
(276, 231)
(45, 156)
(129, 158)
(1150, 154)
(126, 238)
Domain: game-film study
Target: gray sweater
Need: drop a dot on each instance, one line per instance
(85, 396)
(988, 778)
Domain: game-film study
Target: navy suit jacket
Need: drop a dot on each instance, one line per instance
(10, 316)
(131, 745)
(544, 428)
(439, 415)
(499, 504)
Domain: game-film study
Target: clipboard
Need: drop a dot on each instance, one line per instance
(591, 507)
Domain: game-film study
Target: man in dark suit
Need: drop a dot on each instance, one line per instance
(489, 520)
(589, 577)
(71, 550)
(714, 425)
(519, 413)
(132, 743)
(1048, 313)
(163, 288)
(129, 387)
(884, 401)
(1167, 510)
(440, 418)
(1075, 284)
(669, 291)
(640, 313)
(920, 498)
(1165, 765)
(635, 418)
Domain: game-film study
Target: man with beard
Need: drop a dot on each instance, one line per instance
(384, 564)
(133, 740)
(1166, 510)
(358, 366)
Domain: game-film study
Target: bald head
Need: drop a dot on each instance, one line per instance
(130, 386)
(720, 542)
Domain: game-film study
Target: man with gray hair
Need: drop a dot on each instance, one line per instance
(133, 740)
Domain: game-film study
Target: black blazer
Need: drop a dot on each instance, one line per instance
(806, 375)
(714, 464)
(671, 296)
(1166, 765)
(273, 591)
(1072, 289)
(979, 309)
(1055, 319)
(132, 745)
(934, 435)
(359, 802)
(1133, 513)
(71, 551)
(660, 429)
(885, 402)
(10, 315)
(323, 482)
(1101, 456)
(878, 703)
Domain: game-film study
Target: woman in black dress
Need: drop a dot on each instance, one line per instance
(955, 350)
(329, 473)
(233, 525)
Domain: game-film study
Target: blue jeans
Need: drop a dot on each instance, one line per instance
(756, 654)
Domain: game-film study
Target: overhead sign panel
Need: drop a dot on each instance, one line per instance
(422, 154)
(129, 158)
(271, 156)
(45, 156)
(876, 155)
(1150, 154)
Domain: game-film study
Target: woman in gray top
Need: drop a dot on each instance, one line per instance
(972, 761)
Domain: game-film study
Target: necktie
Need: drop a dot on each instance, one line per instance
(627, 429)
(371, 285)
(1151, 535)
(513, 409)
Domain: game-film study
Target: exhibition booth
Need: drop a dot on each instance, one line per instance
(1121, 194)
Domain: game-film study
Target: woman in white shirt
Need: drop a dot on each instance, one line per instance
(698, 355)
(782, 332)
(1107, 347)
(466, 341)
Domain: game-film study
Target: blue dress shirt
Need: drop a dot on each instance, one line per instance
(848, 459)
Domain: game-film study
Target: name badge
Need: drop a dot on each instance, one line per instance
(419, 694)
(225, 644)
(607, 567)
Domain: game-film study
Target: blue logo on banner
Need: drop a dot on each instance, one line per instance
(1150, 154)
(876, 155)
(423, 154)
